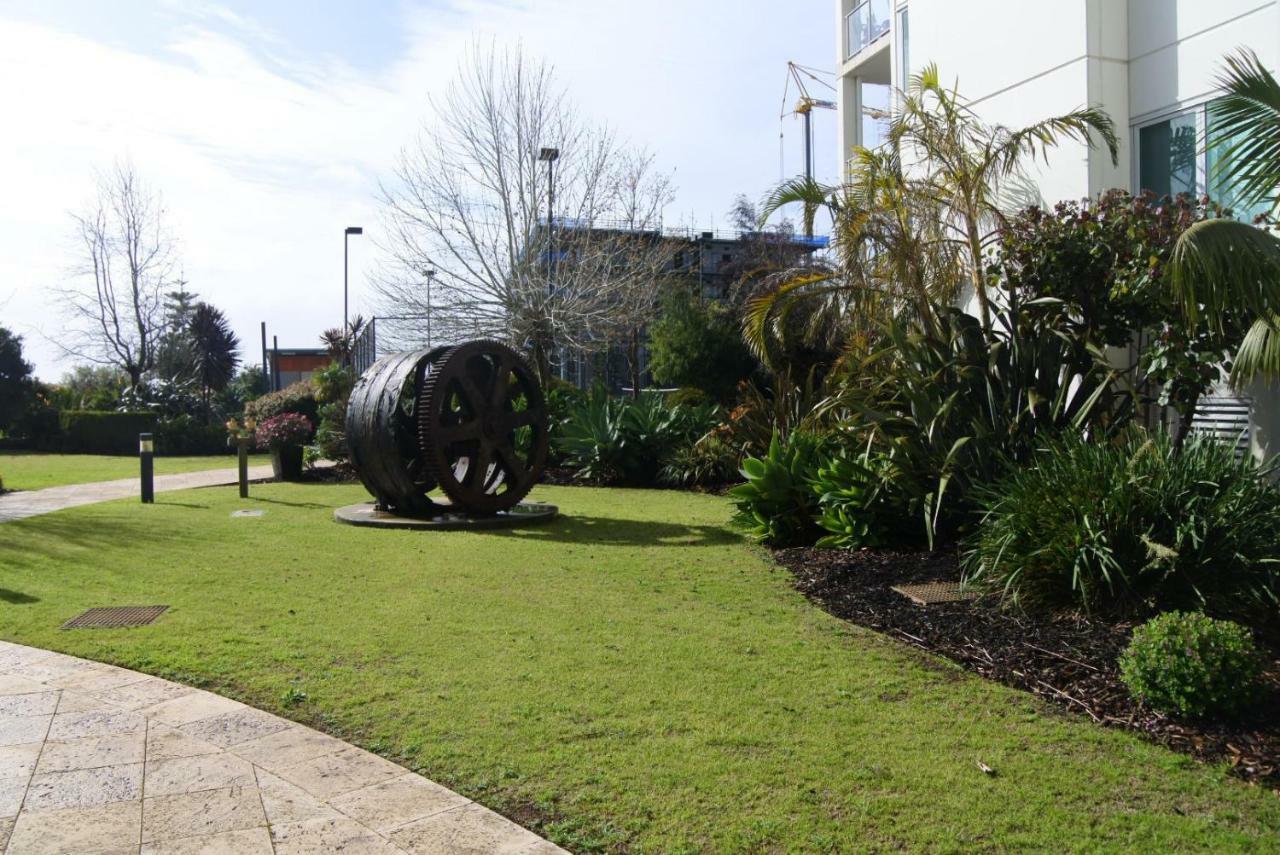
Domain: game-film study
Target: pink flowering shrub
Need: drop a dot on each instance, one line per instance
(283, 430)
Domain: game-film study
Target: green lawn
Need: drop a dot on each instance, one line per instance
(633, 670)
(20, 470)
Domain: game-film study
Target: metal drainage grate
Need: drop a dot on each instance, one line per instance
(248, 513)
(928, 593)
(115, 616)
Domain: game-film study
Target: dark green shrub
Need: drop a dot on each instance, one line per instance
(187, 435)
(628, 440)
(297, 398)
(1190, 665)
(1132, 526)
(333, 386)
(954, 405)
(777, 505)
(709, 460)
(93, 432)
(698, 344)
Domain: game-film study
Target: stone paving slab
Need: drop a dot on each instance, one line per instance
(30, 503)
(124, 762)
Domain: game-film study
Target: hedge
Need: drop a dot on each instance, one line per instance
(186, 435)
(95, 432)
(298, 398)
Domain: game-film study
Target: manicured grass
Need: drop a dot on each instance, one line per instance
(633, 670)
(20, 470)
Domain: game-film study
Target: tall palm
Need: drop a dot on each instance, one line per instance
(965, 162)
(891, 254)
(213, 350)
(1223, 264)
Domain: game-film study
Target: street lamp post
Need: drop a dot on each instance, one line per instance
(430, 274)
(550, 156)
(351, 230)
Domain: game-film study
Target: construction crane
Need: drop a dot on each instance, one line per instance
(804, 107)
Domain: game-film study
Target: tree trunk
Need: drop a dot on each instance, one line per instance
(633, 361)
(975, 273)
(1184, 423)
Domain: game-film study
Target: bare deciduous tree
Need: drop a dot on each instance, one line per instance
(116, 307)
(470, 203)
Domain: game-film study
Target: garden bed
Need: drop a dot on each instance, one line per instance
(1070, 660)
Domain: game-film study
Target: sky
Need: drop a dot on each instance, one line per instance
(266, 125)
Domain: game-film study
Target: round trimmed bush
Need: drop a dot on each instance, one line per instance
(1188, 664)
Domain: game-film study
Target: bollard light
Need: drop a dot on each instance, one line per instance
(242, 464)
(146, 453)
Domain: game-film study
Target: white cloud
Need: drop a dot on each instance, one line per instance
(262, 159)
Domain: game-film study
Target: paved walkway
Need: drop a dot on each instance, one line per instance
(95, 758)
(29, 503)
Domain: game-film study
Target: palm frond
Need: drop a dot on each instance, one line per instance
(802, 190)
(1245, 123)
(1036, 139)
(1221, 266)
(761, 312)
(1259, 353)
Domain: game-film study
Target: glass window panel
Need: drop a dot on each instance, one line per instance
(1217, 189)
(1167, 156)
(875, 113)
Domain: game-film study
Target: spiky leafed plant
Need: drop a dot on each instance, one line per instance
(213, 351)
(1223, 265)
(967, 163)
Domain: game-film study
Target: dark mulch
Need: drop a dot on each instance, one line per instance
(1068, 660)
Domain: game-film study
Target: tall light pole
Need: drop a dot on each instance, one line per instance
(430, 274)
(346, 236)
(550, 156)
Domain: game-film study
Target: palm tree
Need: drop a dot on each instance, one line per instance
(213, 351)
(916, 215)
(892, 255)
(1223, 264)
(966, 162)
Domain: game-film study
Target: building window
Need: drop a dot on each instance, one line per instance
(868, 21)
(1217, 189)
(1168, 156)
(1171, 161)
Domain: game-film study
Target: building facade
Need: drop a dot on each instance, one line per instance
(1150, 64)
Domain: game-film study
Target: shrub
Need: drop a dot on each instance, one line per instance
(628, 440)
(777, 504)
(283, 430)
(698, 343)
(93, 432)
(954, 405)
(333, 390)
(1132, 526)
(853, 505)
(297, 398)
(709, 460)
(1191, 665)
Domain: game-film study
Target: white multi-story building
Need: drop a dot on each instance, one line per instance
(1150, 64)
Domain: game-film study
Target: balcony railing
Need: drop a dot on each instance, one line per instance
(868, 21)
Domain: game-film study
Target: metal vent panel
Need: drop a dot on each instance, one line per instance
(115, 616)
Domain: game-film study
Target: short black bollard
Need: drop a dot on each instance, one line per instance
(146, 454)
(242, 452)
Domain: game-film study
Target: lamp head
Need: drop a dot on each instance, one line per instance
(549, 154)
(355, 230)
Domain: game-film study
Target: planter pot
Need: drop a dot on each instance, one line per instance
(286, 462)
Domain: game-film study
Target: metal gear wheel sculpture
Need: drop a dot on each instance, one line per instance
(470, 419)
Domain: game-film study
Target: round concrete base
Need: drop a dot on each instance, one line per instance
(525, 513)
